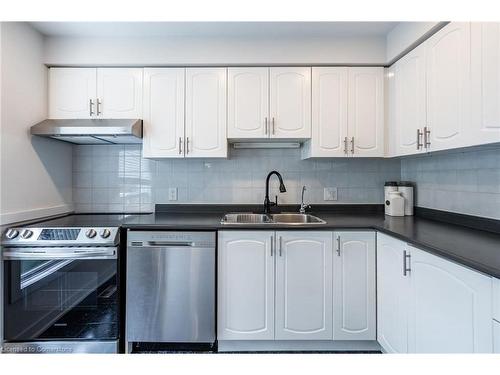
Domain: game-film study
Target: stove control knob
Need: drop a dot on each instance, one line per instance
(105, 233)
(26, 234)
(90, 233)
(11, 234)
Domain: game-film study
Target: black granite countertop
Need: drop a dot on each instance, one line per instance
(477, 249)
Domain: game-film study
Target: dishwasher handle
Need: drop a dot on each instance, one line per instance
(168, 244)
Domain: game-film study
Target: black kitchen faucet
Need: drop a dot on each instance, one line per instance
(267, 202)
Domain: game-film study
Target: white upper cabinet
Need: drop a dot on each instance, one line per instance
(366, 111)
(410, 111)
(119, 93)
(303, 285)
(456, 316)
(206, 112)
(390, 111)
(290, 102)
(448, 91)
(448, 86)
(163, 112)
(392, 295)
(354, 292)
(485, 55)
(245, 285)
(72, 93)
(248, 103)
(347, 113)
(329, 112)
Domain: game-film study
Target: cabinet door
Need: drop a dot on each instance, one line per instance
(450, 307)
(496, 337)
(448, 86)
(392, 293)
(248, 103)
(354, 315)
(119, 91)
(245, 285)
(72, 93)
(329, 112)
(304, 285)
(390, 111)
(366, 111)
(496, 299)
(485, 54)
(410, 101)
(290, 102)
(206, 112)
(163, 112)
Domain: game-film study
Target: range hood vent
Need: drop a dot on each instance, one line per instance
(244, 145)
(91, 132)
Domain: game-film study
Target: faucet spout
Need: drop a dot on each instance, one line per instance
(267, 202)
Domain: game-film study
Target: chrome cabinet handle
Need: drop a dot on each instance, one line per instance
(266, 127)
(281, 246)
(273, 125)
(180, 145)
(272, 245)
(98, 106)
(91, 107)
(187, 145)
(427, 137)
(419, 139)
(352, 145)
(406, 267)
(338, 245)
(345, 145)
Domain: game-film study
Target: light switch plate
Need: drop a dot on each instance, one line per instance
(330, 194)
(172, 194)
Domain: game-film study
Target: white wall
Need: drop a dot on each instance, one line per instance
(211, 50)
(36, 177)
(406, 35)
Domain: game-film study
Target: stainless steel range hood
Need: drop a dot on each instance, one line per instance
(91, 132)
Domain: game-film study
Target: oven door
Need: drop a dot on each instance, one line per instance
(60, 294)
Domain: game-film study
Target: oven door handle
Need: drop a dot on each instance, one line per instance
(48, 253)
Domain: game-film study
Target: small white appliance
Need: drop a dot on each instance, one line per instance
(406, 190)
(395, 204)
(388, 187)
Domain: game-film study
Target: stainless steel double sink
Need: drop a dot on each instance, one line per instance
(283, 218)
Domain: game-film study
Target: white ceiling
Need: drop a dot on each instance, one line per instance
(219, 29)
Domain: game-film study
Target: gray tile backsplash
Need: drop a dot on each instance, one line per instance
(118, 179)
(465, 181)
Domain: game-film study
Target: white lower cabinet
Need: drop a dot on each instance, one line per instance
(392, 294)
(292, 285)
(351, 285)
(303, 285)
(245, 306)
(496, 299)
(496, 337)
(435, 306)
(354, 286)
(450, 307)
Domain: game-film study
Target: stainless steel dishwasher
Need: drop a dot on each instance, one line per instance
(170, 296)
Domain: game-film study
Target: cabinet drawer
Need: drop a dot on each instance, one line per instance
(496, 299)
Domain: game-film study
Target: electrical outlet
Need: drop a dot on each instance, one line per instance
(330, 194)
(172, 194)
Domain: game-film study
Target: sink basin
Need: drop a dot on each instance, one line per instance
(251, 218)
(245, 218)
(296, 219)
